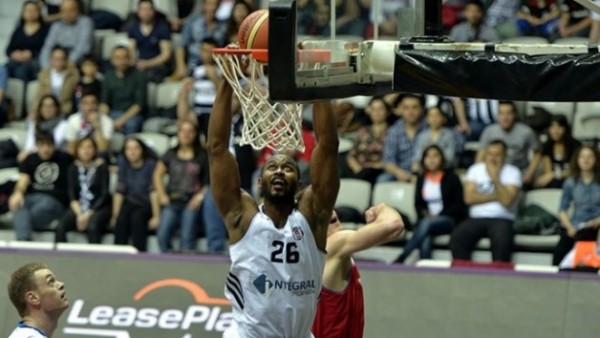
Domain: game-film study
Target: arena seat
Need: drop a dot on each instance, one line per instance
(345, 145)
(399, 195)
(549, 199)
(16, 134)
(120, 7)
(586, 125)
(16, 92)
(167, 94)
(565, 108)
(354, 193)
(111, 41)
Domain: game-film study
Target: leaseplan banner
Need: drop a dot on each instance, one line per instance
(179, 297)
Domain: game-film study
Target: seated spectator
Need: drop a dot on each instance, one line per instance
(575, 20)
(520, 139)
(438, 202)
(387, 18)
(46, 118)
(203, 85)
(124, 93)
(241, 9)
(501, 16)
(90, 200)
(40, 195)
(538, 17)
(400, 140)
(150, 39)
(581, 192)
(473, 29)
(557, 153)
(26, 42)
(3, 97)
(89, 81)
(181, 198)
(59, 80)
(365, 159)
(196, 29)
(74, 32)
(88, 122)
(491, 192)
(436, 133)
(136, 210)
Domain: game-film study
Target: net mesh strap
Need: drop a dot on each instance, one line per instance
(266, 124)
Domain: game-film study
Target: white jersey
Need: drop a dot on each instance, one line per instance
(24, 331)
(275, 279)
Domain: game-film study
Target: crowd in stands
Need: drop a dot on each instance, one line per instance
(82, 102)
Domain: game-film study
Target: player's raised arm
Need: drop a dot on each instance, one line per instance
(224, 175)
(319, 199)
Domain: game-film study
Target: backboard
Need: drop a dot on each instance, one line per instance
(420, 59)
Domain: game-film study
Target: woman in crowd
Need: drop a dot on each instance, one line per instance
(241, 9)
(26, 43)
(46, 118)
(181, 197)
(438, 202)
(557, 152)
(90, 206)
(135, 207)
(365, 159)
(581, 192)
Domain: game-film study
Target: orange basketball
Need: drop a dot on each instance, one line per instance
(254, 31)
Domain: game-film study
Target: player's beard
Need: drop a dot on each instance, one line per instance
(283, 199)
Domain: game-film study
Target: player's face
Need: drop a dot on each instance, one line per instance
(279, 181)
(506, 116)
(51, 292)
(334, 223)
(495, 155)
(45, 150)
(433, 160)
(586, 159)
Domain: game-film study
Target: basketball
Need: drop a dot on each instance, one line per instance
(254, 31)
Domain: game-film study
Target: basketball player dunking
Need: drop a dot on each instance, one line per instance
(278, 248)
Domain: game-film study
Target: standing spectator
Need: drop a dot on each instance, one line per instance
(474, 29)
(474, 115)
(400, 140)
(438, 202)
(74, 32)
(501, 16)
(491, 190)
(124, 93)
(40, 195)
(241, 9)
(538, 17)
(26, 42)
(203, 85)
(181, 198)
(136, 210)
(3, 100)
(365, 159)
(60, 80)
(575, 20)
(557, 153)
(150, 40)
(194, 32)
(581, 191)
(46, 118)
(90, 200)
(436, 133)
(88, 122)
(520, 139)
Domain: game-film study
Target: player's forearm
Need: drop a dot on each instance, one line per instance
(219, 130)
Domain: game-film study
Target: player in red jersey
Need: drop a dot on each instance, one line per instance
(340, 313)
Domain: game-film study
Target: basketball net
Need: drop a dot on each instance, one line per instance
(269, 124)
